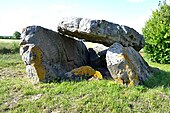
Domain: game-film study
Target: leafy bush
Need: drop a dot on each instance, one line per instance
(157, 34)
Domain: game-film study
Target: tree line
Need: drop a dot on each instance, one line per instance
(16, 35)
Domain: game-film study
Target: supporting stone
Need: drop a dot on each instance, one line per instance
(49, 55)
(126, 66)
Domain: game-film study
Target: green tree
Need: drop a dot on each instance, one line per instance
(157, 34)
(16, 35)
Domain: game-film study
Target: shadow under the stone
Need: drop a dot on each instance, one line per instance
(160, 79)
(78, 79)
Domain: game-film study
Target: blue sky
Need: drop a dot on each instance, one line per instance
(18, 14)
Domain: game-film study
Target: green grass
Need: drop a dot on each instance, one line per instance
(6, 47)
(9, 41)
(160, 78)
(11, 61)
(18, 94)
(9, 56)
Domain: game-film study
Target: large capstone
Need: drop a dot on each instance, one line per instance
(126, 66)
(101, 31)
(49, 55)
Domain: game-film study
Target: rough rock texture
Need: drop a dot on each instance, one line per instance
(97, 56)
(98, 60)
(49, 55)
(126, 65)
(83, 72)
(101, 31)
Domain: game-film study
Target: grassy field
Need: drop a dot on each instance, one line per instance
(9, 41)
(18, 94)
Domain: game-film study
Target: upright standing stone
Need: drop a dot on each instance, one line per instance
(49, 55)
(126, 66)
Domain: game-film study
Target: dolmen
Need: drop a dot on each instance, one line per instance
(62, 55)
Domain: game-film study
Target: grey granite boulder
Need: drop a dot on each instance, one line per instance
(101, 31)
(49, 55)
(126, 66)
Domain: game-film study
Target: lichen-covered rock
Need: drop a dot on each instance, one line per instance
(101, 31)
(49, 55)
(33, 60)
(126, 66)
(83, 72)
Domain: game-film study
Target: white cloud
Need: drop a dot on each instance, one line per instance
(135, 1)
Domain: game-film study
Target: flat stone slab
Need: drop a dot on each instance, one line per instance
(101, 31)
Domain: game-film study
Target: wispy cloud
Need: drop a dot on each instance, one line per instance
(135, 1)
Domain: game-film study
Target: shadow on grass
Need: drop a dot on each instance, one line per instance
(9, 50)
(160, 79)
